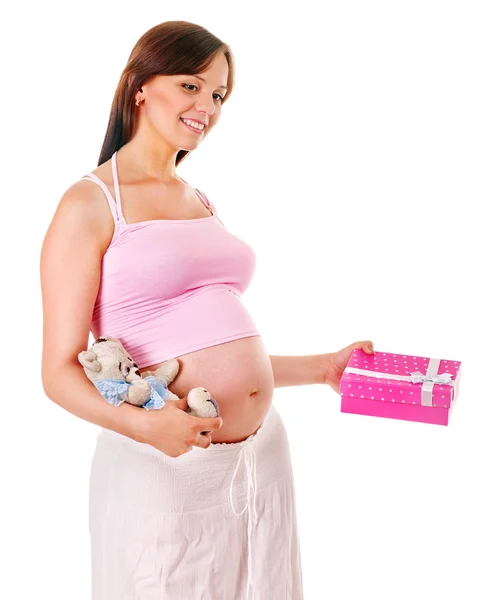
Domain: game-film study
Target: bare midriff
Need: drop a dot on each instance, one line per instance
(239, 375)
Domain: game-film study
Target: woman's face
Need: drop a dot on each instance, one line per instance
(168, 99)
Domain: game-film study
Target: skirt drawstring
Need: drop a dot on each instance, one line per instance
(251, 470)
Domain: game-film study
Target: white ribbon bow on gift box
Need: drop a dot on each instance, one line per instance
(418, 377)
(428, 380)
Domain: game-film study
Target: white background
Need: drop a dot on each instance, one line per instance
(359, 157)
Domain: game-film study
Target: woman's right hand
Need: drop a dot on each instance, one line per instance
(173, 431)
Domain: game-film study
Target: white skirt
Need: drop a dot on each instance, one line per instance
(213, 524)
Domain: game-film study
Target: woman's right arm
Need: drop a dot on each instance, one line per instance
(70, 271)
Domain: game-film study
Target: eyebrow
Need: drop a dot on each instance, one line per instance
(198, 77)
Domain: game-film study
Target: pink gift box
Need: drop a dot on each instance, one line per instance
(400, 386)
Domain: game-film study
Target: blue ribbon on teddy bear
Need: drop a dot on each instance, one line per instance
(115, 391)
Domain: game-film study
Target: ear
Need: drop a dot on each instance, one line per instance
(89, 360)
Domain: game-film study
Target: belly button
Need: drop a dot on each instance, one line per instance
(253, 393)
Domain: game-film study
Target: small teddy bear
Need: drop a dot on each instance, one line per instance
(118, 378)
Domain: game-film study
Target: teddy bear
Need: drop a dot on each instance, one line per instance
(117, 377)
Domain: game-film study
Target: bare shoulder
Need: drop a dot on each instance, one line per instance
(84, 205)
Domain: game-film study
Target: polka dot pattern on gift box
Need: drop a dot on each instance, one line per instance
(392, 390)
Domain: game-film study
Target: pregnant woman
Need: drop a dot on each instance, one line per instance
(133, 251)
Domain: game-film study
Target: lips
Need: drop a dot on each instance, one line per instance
(193, 128)
(195, 120)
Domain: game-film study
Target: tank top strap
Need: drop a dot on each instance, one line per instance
(116, 186)
(206, 201)
(202, 197)
(109, 197)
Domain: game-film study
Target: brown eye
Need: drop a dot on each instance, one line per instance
(193, 86)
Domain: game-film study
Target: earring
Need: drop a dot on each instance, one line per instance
(137, 102)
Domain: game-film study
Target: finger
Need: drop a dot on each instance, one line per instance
(181, 403)
(366, 346)
(207, 424)
(203, 441)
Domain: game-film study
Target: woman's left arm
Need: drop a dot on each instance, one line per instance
(315, 368)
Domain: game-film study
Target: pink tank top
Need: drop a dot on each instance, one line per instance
(169, 287)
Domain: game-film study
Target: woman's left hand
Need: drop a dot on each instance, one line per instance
(336, 362)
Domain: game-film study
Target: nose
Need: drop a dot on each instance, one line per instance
(205, 104)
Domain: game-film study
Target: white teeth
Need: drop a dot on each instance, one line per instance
(194, 124)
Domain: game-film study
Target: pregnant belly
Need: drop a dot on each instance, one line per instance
(239, 376)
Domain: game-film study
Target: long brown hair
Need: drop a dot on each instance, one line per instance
(170, 48)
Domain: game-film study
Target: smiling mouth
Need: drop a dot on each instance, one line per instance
(195, 129)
